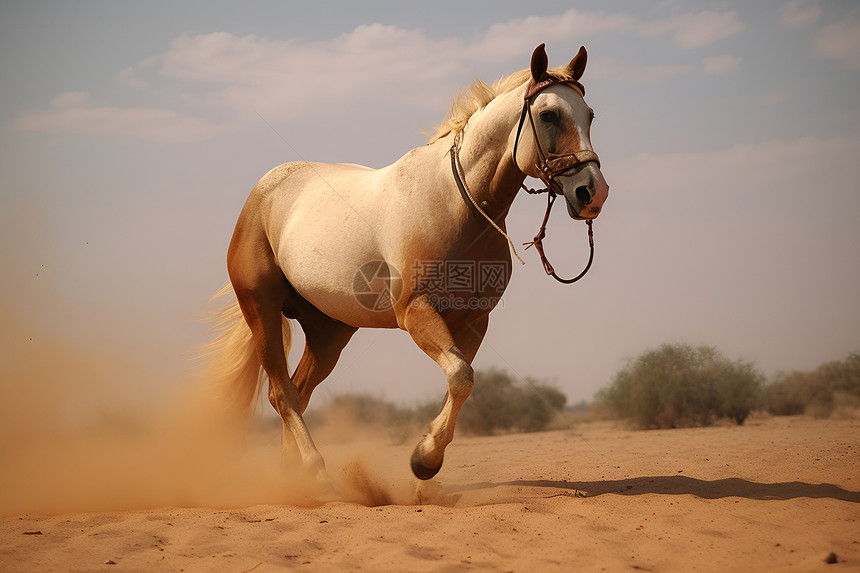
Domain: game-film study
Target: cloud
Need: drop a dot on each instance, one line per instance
(721, 65)
(70, 112)
(243, 76)
(695, 30)
(518, 36)
(281, 79)
(288, 78)
(841, 41)
(796, 15)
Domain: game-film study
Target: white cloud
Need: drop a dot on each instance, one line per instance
(688, 30)
(796, 15)
(519, 36)
(721, 65)
(285, 78)
(841, 41)
(282, 79)
(289, 78)
(71, 113)
(695, 30)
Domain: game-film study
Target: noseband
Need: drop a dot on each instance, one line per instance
(550, 166)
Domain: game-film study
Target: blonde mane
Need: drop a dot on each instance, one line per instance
(479, 94)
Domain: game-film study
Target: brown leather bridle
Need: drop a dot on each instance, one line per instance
(551, 165)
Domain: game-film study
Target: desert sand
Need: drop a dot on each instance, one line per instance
(778, 494)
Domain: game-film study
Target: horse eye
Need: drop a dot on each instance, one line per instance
(548, 117)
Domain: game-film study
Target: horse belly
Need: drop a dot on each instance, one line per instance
(347, 297)
(334, 263)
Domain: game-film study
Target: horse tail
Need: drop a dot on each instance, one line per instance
(234, 368)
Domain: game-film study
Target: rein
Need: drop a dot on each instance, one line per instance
(538, 240)
(549, 167)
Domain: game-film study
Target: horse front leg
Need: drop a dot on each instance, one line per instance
(454, 353)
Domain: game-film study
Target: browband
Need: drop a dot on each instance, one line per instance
(535, 88)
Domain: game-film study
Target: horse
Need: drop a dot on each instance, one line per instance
(418, 245)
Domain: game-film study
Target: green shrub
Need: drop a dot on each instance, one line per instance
(738, 387)
(817, 392)
(677, 385)
(499, 403)
(788, 394)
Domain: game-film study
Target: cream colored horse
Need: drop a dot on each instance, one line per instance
(338, 247)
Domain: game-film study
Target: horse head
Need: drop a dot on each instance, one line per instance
(560, 151)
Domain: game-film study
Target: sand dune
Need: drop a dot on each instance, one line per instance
(779, 494)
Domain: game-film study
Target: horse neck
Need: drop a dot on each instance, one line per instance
(486, 155)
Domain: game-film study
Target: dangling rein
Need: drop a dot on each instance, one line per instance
(549, 167)
(538, 240)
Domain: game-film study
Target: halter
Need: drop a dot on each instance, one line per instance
(551, 165)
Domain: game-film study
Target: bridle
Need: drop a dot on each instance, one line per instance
(551, 165)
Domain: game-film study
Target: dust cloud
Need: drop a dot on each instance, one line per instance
(71, 440)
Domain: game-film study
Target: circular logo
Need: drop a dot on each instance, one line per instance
(377, 285)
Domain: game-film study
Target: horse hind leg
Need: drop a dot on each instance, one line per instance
(325, 338)
(263, 293)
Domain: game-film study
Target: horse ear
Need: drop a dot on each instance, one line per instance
(577, 64)
(539, 64)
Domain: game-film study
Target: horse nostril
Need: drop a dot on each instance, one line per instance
(583, 195)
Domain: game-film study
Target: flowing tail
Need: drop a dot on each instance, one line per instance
(234, 368)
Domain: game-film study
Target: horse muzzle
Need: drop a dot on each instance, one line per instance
(585, 191)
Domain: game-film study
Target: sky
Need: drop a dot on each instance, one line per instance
(132, 132)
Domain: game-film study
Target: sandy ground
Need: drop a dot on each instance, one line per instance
(779, 494)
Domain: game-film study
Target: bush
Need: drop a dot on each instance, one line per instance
(499, 403)
(738, 386)
(816, 393)
(677, 385)
(788, 394)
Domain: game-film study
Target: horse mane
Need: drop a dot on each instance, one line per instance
(479, 94)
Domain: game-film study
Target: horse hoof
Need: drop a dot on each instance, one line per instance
(420, 470)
